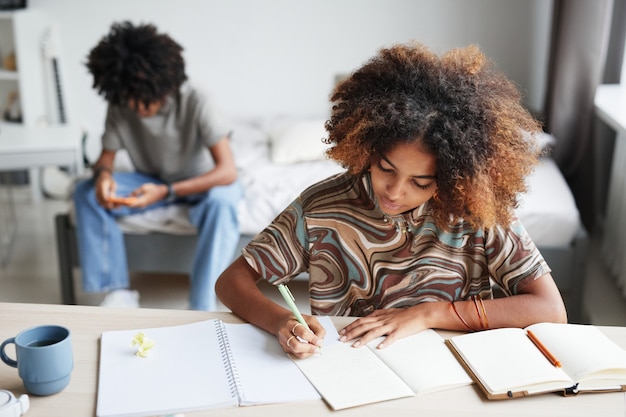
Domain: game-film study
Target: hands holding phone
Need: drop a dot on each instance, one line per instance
(143, 196)
(146, 194)
(124, 201)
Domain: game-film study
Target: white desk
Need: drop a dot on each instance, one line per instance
(610, 105)
(88, 323)
(25, 147)
(31, 147)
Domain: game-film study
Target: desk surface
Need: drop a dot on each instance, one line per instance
(23, 147)
(87, 323)
(20, 138)
(610, 103)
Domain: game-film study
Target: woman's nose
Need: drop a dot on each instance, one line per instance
(394, 189)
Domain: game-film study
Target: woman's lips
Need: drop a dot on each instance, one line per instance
(389, 205)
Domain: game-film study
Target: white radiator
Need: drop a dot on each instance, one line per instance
(610, 103)
(614, 236)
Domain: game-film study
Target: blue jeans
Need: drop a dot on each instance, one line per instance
(101, 241)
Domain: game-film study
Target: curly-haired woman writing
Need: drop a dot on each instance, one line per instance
(416, 231)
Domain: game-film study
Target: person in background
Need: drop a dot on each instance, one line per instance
(180, 150)
(422, 222)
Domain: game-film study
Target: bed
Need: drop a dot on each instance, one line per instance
(279, 157)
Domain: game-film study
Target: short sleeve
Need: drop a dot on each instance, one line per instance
(513, 257)
(212, 126)
(280, 252)
(111, 139)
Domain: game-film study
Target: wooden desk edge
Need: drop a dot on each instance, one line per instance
(87, 324)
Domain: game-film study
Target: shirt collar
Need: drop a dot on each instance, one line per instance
(168, 103)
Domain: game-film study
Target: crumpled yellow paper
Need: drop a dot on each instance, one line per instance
(143, 343)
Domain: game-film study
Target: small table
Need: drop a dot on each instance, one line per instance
(32, 147)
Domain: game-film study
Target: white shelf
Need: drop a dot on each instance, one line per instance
(7, 14)
(8, 75)
(21, 32)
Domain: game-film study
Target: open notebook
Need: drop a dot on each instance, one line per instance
(507, 363)
(418, 364)
(198, 366)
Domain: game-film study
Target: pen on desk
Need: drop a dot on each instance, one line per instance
(554, 361)
(291, 302)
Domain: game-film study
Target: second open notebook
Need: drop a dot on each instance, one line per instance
(506, 363)
(198, 366)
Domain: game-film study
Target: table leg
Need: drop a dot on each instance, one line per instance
(34, 178)
(8, 219)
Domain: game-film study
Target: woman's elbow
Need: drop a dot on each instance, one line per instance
(554, 307)
(548, 301)
(559, 313)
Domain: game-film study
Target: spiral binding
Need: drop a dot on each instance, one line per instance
(234, 383)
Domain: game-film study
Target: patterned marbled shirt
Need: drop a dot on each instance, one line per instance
(360, 259)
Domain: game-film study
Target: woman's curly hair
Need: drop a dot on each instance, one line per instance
(456, 106)
(136, 62)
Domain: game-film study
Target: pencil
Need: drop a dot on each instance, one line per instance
(554, 361)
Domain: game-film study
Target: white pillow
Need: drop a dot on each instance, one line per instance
(545, 140)
(249, 144)
(298, 141)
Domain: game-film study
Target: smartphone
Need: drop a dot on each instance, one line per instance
(121, 200)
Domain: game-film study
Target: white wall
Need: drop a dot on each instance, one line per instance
(264, 57)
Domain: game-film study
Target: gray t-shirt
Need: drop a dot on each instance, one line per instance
(173, 144)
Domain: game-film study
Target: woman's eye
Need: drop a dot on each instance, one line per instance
(390, 171)
(383, 169)
(422, 187)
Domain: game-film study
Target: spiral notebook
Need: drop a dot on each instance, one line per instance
(198, 366)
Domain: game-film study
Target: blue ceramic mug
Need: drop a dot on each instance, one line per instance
(43, 358)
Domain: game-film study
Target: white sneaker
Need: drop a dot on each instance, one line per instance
(121, 298)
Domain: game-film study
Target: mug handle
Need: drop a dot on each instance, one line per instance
(5, 358)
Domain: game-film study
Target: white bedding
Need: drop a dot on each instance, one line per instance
(548, 210)
(268, 189)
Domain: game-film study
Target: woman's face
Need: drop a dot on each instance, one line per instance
(404, 178)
